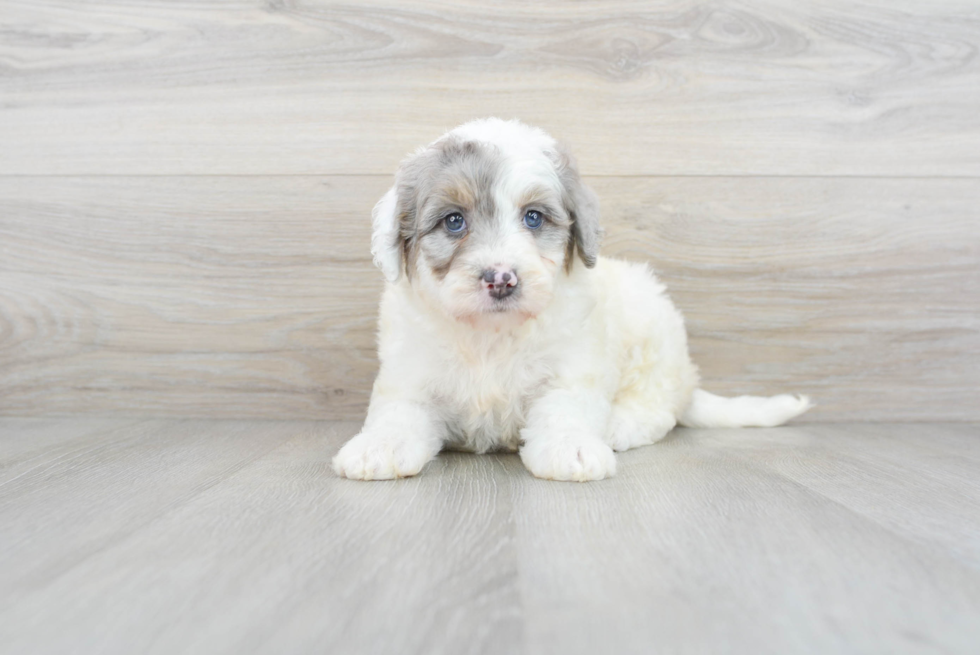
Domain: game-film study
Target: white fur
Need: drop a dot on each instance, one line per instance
(591, 361)
(710, 411)
(384, 246)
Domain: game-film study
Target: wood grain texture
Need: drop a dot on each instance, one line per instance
(282, 557)
(235, 537)
(99, 470)
(318, 87)
(31, 442)
(933, 496)
(256, 297)
(697, 549)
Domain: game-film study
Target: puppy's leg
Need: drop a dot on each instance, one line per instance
(397, 440)
(563, 437)
(631, 425)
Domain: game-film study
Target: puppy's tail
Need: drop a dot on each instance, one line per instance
(710, 411)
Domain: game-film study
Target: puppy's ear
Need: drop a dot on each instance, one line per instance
(386, 239)
(582, 206)
(394, 242)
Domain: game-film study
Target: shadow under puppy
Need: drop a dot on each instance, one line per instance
(501, 327)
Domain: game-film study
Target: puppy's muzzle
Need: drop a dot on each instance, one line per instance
(499, 281)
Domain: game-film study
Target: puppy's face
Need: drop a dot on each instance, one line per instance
(485, 220)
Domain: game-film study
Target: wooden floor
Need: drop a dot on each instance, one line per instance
(174, 536)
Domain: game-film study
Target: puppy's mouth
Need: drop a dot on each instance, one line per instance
(496, 311)
(502, 300)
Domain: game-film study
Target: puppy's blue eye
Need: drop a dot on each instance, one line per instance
(532, 219)
(455, 223)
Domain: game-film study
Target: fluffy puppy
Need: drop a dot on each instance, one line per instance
(501, 327)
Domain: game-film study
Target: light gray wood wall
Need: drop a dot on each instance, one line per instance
(185, 189)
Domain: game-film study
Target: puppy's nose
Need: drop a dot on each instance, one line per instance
(499, 281)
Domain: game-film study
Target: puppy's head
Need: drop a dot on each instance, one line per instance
(484, 220)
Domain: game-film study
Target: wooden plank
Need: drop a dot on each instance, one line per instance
(205, 296)
(917, 480)
(702, 543)
(319, 87)
(29, 443)
(83, 495)
(256, 297)
(286, 557)
(693, 549)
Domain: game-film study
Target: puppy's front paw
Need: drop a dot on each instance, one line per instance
(579, 459)
(373, 456)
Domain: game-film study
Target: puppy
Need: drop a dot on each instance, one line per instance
(501, 327)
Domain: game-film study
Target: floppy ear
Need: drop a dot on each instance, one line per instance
(386, 240)
(582, 206)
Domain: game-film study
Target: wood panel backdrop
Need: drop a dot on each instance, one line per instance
(185, 188)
